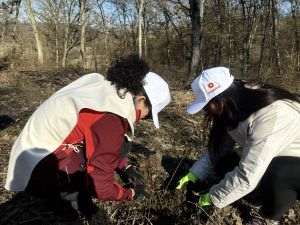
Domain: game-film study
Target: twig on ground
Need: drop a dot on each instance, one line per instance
(148, 220)
(195, 123)
(208, 216)
(9, 215)
(114, 213)
(30, 220)
(180, 162)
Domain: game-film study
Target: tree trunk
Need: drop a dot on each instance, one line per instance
(275, 36)
(196, 12)
(66, 23)
(145, 28)
(95, 50)
(229, 32)
(56, 8)
(295, 16)
(66, 43)
(167, 35)
(35, 32)
(64, 58)
(141, 9)
(219, 7)
(249, 12)
(4, 30)
(83, 24)
(125, 32)
(267, 13)
(17, 5)
(56, 46)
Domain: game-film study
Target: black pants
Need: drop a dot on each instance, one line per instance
(278, 189)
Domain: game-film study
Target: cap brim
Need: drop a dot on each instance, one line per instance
(196, 106)
(155, 119)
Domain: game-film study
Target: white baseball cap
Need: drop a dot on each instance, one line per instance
(209, 84)
(158, 93)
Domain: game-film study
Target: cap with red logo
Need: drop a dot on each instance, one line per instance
(209, 84)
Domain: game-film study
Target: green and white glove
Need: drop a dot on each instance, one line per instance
(204, 200)
(190, 177)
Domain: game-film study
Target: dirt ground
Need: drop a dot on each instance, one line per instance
(179, 141)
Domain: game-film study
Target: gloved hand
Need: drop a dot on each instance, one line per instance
(139, 192)
(204, 200)
(81, 202)
(200, 200)
(189, 177)
(131, 177)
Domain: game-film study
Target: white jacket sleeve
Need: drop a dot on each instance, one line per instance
(268, 134)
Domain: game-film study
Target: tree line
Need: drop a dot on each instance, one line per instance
(257, 39)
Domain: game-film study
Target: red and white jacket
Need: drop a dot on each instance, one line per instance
(88, 111)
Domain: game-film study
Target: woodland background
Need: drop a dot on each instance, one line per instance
(256, 39)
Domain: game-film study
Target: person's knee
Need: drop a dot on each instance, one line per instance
(275, 172)
(277, 202)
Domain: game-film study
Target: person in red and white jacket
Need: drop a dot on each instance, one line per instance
(74, 142)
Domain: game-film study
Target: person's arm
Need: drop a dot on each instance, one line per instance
(203, 168)
(104, 139)
(269, 134)
(125, 149)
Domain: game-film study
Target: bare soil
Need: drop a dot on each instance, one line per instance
(162, 156)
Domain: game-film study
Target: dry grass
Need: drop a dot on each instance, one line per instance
(180, 136)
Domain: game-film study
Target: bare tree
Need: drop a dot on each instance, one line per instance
(229, 39)
(83, 20)
(52, 18)
(241, 34)
(219, 8)
(174, 27)
(250, 11)
(140, 21)
(266, 17)
(16, 6)
(295, 15)
(36, 33)
(122, 8)
(196, 12)
(71, 35)
(5, 16)
(102, 20)
(275, 36)
(127, 28)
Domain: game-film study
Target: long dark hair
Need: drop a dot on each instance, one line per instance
(240, 100)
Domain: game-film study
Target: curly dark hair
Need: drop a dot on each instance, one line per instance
(127, 73)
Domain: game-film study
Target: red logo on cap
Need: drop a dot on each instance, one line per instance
(211, 86)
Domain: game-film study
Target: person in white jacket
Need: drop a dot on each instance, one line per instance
(260, 126)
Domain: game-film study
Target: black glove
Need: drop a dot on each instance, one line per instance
(131, 177)
(192, 196)
(140, 193)
(86, 205)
